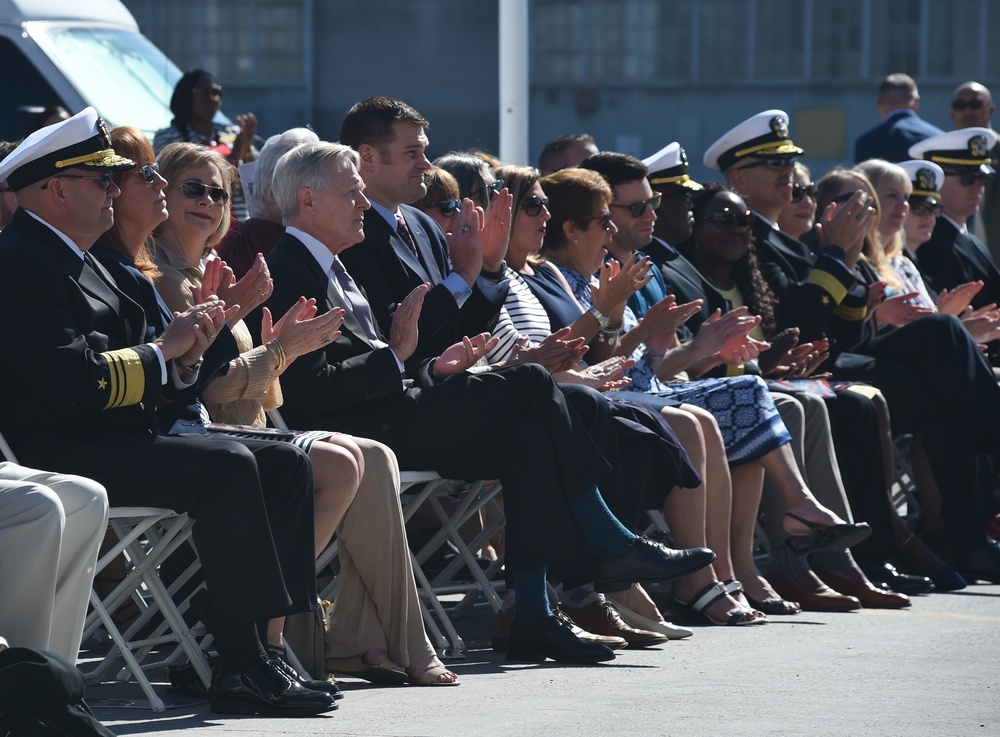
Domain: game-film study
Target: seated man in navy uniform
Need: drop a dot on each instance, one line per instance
(79, 386)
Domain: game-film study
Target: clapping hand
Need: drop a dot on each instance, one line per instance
(404, 333)
(461, 356)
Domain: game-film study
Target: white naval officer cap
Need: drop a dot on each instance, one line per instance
(80, 141)
(926, 178)
(669, 165)
(966, 148)
(765, 135)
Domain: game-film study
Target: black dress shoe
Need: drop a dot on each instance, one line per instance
(649, 561)
(263, 689)
(552, 638)
(981, 563)
(902, 583)
(279, 658)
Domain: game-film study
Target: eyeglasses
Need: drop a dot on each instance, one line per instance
(106, 179)
(448, 208)
(726, 218)
(799, 191)
(213, 91)
(774, 163)
(604, 217)
(960, 105)
(492, 190)
(637, 209)
(969, 178)
(148, 172)
(926, 208)
(196, 190)
(533, 205)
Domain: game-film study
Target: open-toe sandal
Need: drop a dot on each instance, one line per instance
(696, 610)
(432, 676)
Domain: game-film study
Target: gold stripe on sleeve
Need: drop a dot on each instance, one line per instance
(851, 313)
(127, 380)
(828, 283)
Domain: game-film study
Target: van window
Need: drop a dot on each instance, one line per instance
(121, 73)
(25, 93)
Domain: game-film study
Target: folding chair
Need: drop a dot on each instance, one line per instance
(435, 490)
(146, 535)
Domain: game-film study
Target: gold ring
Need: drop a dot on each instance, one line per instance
(263, 292)
(325, 338)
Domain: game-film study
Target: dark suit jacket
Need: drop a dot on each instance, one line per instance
(75, 356)
(385, 267)
(951, 258)
(891, 139)
(349, 385)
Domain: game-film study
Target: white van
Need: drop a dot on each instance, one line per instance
(74, 54)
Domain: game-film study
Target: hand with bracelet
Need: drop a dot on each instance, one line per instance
(299, 331)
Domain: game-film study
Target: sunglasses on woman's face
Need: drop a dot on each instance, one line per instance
(926, 208)
(803, 190)
(196, 190)
(726, 218)
(533, 205)
(492, 190)
(448, 208)
(604, 217)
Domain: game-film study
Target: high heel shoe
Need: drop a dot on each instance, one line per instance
(826, 537)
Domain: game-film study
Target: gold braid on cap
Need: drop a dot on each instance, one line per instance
(92, 158)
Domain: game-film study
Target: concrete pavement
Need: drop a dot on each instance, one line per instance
(929, 670)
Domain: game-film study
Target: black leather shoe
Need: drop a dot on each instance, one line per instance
(552, 638)
(263, 689)
(280, 660)
(902, 583)
(649, 561)
(981, 563)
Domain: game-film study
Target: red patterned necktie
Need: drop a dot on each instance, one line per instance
(404, 232)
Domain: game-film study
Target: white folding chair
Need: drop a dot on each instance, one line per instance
(146, 535)
(472, 499)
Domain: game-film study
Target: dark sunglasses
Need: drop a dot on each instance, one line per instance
(533, 205)
(726, 218)
(448, 208)
(926, 208)
(213, 91)
(960, 105)
(636, 209)
(492, 190)
(106, 179)
(147, 173)
(774, 163)
(969, 178)
(604, 217)
(196, 190)
(842, 198)
(799, 191)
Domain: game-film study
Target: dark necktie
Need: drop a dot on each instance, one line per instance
(359, 305)
(404, 232)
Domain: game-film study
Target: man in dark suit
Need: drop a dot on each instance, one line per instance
(948, 395)
(79, 387)
(972, 106)
(512, 424)
(404, 248)
(953, 255)
(897, 102)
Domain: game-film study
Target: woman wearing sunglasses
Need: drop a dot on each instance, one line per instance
(443, 198)
(356, 480)
(799, 215)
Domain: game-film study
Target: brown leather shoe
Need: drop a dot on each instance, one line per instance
(812, 594)
(501, 630)
(602, 619)
(852, 581)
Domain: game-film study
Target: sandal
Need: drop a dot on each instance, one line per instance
(826, 537)
(697, 608)
(432, 677)
(771, 606)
